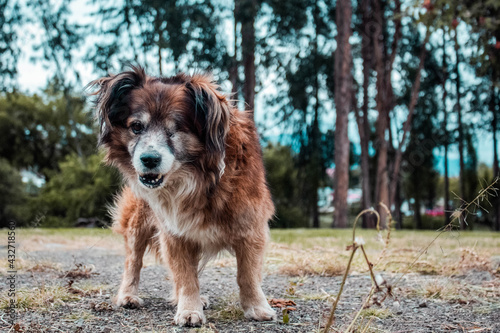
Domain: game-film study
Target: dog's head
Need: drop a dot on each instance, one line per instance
(153, 127)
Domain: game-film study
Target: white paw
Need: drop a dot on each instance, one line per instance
(189, 318)
(261, 312)
(129, 301)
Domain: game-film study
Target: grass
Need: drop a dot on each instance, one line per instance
(228, 309)
(376, 312)
(38, 298)
(29, 265)
(82, 315)
(322, 251)
(295, 252)
(33, 239)
(300, 252)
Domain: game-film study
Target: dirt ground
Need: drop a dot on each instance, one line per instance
(68, 287)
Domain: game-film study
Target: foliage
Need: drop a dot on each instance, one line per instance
(50, 135)
(37, 132)
(12, 194)
(183, 32)
(78, 190)
(283, 183)
(10, 20)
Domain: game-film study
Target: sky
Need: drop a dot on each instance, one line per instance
(32, 78)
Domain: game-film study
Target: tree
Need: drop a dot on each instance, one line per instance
(10, 20)
(37, 134)
(284, 184)
(304, 84)
(482, 17)
(418, 161)
(246, 14)
(78, 190)
(184, 32)
(11, 193)
(343, 91)
(444, 79)
(362, 115)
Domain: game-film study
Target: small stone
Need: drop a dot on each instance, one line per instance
(422, 305)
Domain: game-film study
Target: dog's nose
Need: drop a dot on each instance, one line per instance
(151, 159)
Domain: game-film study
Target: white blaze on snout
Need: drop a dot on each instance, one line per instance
(153, 142)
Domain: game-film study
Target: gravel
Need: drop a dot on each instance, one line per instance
(406, 311)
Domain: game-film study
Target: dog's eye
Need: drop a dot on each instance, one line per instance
(137, 127)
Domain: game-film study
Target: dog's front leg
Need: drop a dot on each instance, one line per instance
(250, 259)
(182, 257)
(136, 242)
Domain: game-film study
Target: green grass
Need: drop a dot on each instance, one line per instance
(308, 238)
(65, 232)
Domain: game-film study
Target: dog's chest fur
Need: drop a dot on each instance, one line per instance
(179, 210)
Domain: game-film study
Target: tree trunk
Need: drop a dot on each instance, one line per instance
(447, 210)
(343, 90)
(368, 221)
(460, 129)
(233, 71)
(362, 120)
(417, 216)
(160, 61)
(407, 125)
(496, 172)
(316, 165)
(316, 133)
(248, 11)
(398, 216)
(384, 64)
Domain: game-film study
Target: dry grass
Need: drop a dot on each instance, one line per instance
(56, 239)
(28, 265)
(316, 261)
(85, 289)
(318, 252)
(457, 291)
(38, 298)
(81, 315)
(302, 251)
(439, 289)
(376, 312)
(80, 271)
(228, 309)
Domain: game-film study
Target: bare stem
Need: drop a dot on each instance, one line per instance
(372, 291)
(332, 313)
(370, 268)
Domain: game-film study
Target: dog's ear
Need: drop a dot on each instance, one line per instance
(112, 103)
(212, 113)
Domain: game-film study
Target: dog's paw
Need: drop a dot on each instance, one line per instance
(205, 301)
(261, 312)
(129, 301)
(189, 318)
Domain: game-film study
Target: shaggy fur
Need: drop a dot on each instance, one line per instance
(207, 194)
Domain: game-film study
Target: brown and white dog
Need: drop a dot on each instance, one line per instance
(195, 184)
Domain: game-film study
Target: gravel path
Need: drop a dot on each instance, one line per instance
(93, 311)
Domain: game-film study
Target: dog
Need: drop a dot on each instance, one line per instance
(195, 185)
